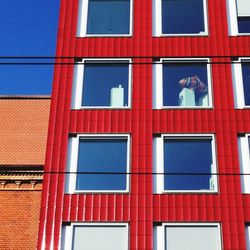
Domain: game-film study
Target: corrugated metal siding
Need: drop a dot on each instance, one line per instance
(140, 207)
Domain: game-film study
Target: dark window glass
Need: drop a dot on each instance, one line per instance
(100, 78)
(108, 17)
(246, 81)
(187, 156)
(103, 156)
(173, 73)
(244, 24)
(182, 17)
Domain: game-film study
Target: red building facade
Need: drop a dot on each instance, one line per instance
(147, 209)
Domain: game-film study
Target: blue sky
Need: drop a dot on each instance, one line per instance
(27, 28)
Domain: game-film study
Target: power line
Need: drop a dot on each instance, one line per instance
(154, 57)
(122, 173)
(39, 60)
(131, 63)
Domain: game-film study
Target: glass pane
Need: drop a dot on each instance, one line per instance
(187, 164)
(192, 238)
(246, 81)
(104, 156)
(178, 77)
(244, 24)
(182, 17)
(108, 17)
(243, 7)
(98, 81)
(248, 235)
(99, 237)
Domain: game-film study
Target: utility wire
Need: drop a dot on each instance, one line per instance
(132, 63)
(121, 173)
(39, 60)
(76, 57)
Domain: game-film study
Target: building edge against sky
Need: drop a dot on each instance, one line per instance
(147, 201)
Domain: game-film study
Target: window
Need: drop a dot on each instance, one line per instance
(238, 17)
(244, 156)
(248, 235)
(182, 83)
(95, 236)
(105, 18)
(101, 163)
(179, 17)
(241, 82)
(179, 236)
(184, 163)
(102, 83)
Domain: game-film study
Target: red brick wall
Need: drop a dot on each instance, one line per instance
(23, 130)
(19, 219)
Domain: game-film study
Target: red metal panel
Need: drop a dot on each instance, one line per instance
(141, 208)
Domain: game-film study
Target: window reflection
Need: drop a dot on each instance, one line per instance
(188, 164)
(185, 84)
(246, 81)
(105, 83)
(108, 17)
(101, 160)
(183, 17)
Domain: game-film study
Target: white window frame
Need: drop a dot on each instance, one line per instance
(232, 19)
(67, 232)
(158, 162)
(244, 158)
(239, 98)
(157, 20)
(83, 17)
(76, 102)
(247, 230)
(159, 232)
(72, 160)
(158, 82)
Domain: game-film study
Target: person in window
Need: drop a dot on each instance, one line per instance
(194, 83)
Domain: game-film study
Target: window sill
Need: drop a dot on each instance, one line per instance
(100, 192)
(101, 108)
(104, 35)
(190, 192)
(240, 34)
(184, 108)
(181, 35)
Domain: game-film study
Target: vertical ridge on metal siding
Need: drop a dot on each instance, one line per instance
(140, 207)
(243, 120)
(96, 207)
(188, 207)
(106, 121)
(246, 206)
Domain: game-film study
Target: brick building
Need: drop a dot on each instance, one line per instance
(148, 143)
(23, 133)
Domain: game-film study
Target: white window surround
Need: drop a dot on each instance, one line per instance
(247, 229)
(158, 82)
(239, 99)
(67, 232)
(159, 233)
(82, 22)
(158, 162)
(157, 20)
(72, 160)
(232, 19)
(244, 158)
(76, 102)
